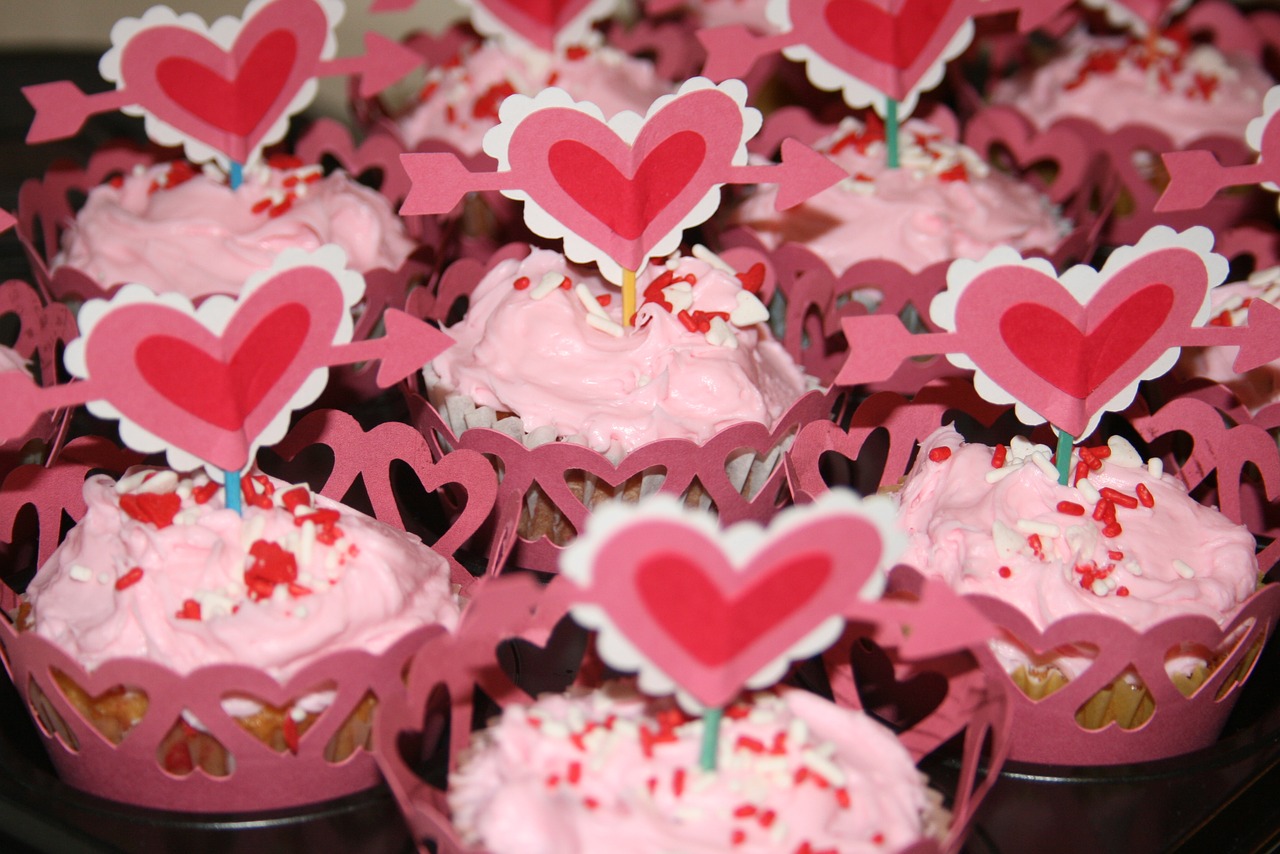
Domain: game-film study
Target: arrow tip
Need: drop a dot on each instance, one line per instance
(410, 344)
(805, 173)
(6, 221)
(731, 51)
(386, 61)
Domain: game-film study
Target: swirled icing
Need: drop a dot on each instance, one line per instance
(538, 355)
(608, 771)
(175, 230)
(943, 203)
(161, 569)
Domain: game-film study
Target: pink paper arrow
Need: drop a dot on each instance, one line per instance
(7, 221)
(1195, 176)
(196, 92)
(215, 383)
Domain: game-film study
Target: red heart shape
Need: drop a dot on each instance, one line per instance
(894, 38)
(236, 105)
(627, 205)
(1057, 351)
(713, 627)
(224, 393)
(537, 21)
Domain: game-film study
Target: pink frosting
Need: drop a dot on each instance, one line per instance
(1113, 81)
(1259, 387)
(535, 352)
(577, 774)
(173, 231)
(943, 203)
(1000, 532)
(459, 102)
(196, 592)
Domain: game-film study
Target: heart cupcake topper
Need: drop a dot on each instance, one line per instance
(545, 24)
(211, 385)
(621, 191)
(871, 50)
(1195, 176)
(1067, 348)
(223, 91)
(706, 612)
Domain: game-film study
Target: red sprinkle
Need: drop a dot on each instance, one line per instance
(1005, 572)
(574, 774)
(486, 106)
(739, 836)
(129, 579)
(259, 496)
(998, 456)
(1082, 472)
(590, 803)
(297, 497)
(767, 818)
(156, 508)
(746, 742)
(190, 610)
(677, 782)
(1122, 591)
(1104, 510)
(1118, 497)
(565, 284)
(326, 522)
(752, 280)
(1112, 529)
(1102, 451)
(1070, 508)
(1144, 496)
(1036, 546)
(842, 797)
(940, 455)
(604, 299)
(745, 811)
(201, 494)
(1115, 555)
(521, 283)
(290, 731)
(576, 51)
(955, 173)
(272, 565)
(688, 321)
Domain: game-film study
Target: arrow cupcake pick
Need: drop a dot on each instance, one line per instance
(1067, 348)
(223, 91)
(1195, 176)
(621, 191)
(211, 385)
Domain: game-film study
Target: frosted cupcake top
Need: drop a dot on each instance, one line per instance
(1186, 91)
(545, 342)
(944, 202)
(159, 568)
(177, 230)
(610, 771)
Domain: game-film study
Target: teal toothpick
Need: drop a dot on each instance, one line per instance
(231, 485)
(891, 133)
(1065, 442)
(710, 738)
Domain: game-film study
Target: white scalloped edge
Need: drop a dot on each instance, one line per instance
(739, 543)
(222, 32)
(214, 314)
(1081, 282)
(1119, 15)
(627, 125)
(577, 31)
(856, 93)
(1254, 130)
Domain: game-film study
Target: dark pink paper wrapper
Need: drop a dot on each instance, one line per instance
(515, 607)
(1045, 731)
(261, 778)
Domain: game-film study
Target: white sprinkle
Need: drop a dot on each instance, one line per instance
(605, 324)
(778, 832)
(193, 721)
(184, 489)
(749, 310)
(797, 732)
(711, 259)
(679, 296)
(190, 516)
(997, 475)
(1007, 541)
(1042, 462)
(825, 767)
(555, 729)
(589, 302)
(1155, 467)
(1099, 587)
(1183, 569)
(80, 573)
(1088, 491)
(1133, 568)
(720, 335)
(252, 531)
(1111, 582)
(162, 481)
(130, 482)
(104, 578)
(643, 380)
(548, 283)
(1034, 526)
(1020, 447)
(306, 542)
(688, 813)
(1123, 454)
(297, 715)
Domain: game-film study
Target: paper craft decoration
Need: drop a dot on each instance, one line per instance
(873, 51)
(620, 191)
(1141, 16)
(223, 91)
(706, 612)
(1194, 176)
(544, 24)
(211, 385)
(7, 221)
(1067, 348)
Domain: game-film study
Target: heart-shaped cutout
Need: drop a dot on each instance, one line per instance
(113, 713)
(234, 100)
(186, 749)
(901, 701)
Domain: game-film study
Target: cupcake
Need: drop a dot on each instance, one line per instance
(608, 770)
(1124, 540)
(541, 356)
(159, 571)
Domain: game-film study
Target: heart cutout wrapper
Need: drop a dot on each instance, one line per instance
(621, 192)
(1068, 348)
(707, 614)
(223, 90)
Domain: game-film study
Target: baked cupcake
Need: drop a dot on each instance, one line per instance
(608, 770)
(1123, 540)
(159, 571)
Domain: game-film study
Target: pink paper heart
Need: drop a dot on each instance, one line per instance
(677, 596)
(213, 395)
(538, 21)
(1065, 360)
(624, 198)
(229, 100)
(895, 38)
